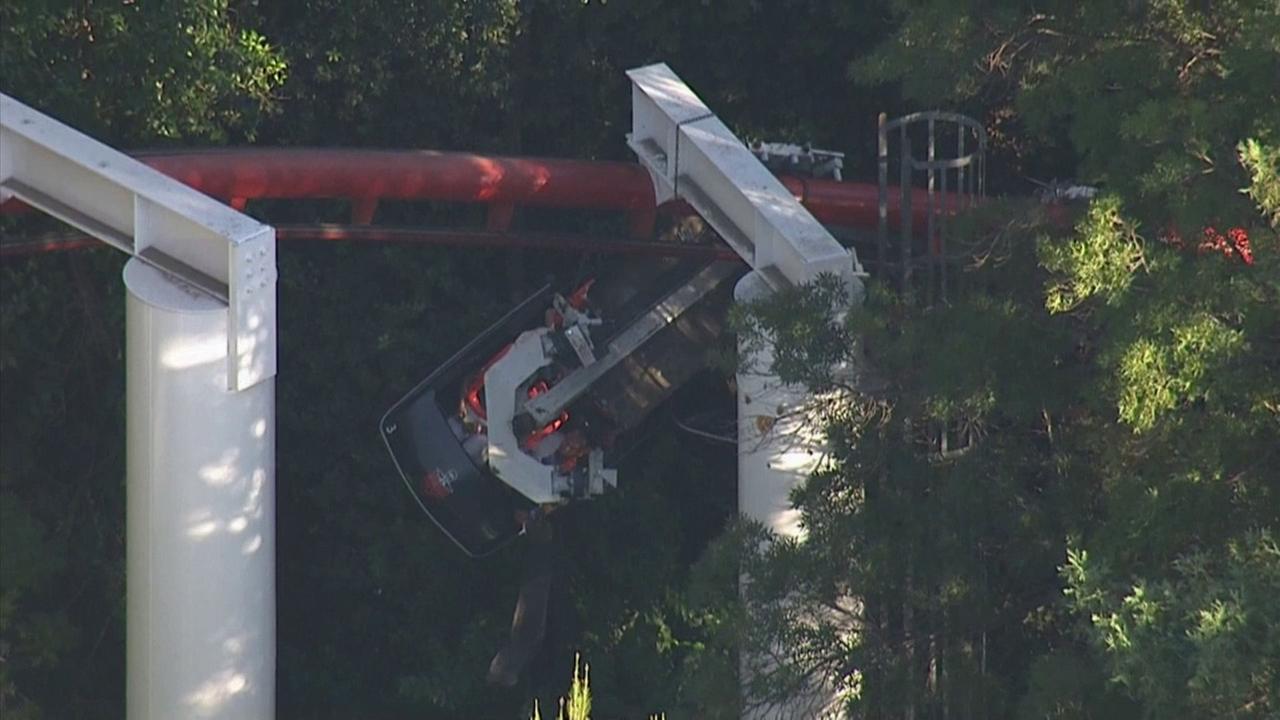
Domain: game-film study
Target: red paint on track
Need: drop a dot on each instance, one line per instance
(364, 177)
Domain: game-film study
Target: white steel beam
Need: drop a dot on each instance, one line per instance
(160, 221)
(692, 155)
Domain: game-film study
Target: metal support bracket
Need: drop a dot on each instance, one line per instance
(192, 237)
(692, 155)
(548, 405)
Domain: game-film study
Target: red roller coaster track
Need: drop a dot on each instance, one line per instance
(366, 177)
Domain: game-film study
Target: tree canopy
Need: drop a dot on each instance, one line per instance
(1059, 499)
(1097, 538)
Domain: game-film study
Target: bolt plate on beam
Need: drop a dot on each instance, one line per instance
(153, 217)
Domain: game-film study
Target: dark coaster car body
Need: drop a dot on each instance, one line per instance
(468, 502)
(473, 506)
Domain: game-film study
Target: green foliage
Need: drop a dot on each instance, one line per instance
(1204, 642)
(806, 340)
(577, 704)
(134, 72)
(392, 73)
(1263, 165)
(33, 639)
(1139, 418)
(1148, 99)
(61, 483)
(1099, 261)
(1102, 398)
(1157, 377)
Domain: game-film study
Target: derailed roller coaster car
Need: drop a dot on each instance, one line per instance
(459, 446)
(462, 497)
(525, 415)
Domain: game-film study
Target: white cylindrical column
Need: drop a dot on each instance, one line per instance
(774, 455)
(201, 513)
(777, 451)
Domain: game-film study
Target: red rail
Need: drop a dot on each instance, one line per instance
(365, 177)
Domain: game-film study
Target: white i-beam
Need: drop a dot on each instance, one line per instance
(692, 155)
(201, 365)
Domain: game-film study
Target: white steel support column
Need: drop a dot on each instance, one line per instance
(692, 155)
(201, 358)
(774, 454)
(201, 512)
(777, 451)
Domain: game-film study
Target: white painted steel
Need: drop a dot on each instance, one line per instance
(546, 407)
(505, 383)
(153, 217)
(777, 451)
(660, 103)
(774, 456)
(201, 513)
(502, 382)
(692, 155)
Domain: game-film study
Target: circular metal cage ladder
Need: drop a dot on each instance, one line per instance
(952, 183)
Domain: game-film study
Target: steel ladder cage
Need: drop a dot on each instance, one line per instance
(946, 195)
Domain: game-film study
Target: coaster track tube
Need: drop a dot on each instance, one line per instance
(365, 177)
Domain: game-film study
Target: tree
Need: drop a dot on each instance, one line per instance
(1096, 537)
(128, 73)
